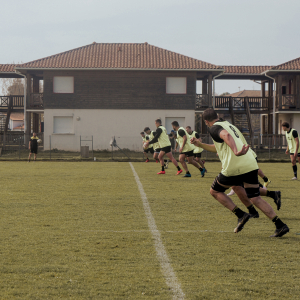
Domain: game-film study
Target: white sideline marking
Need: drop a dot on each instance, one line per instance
(162, 255)
(167, 231)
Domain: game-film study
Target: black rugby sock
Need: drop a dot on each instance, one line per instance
(238, 212)
(278, 223)
(252, 209)
(271, 194)
(162, 168)
(295, 170)
(265, 179)
(178, 168)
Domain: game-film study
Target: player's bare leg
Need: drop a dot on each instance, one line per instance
(241, 193)
(183, 163)
(34, 157)
(223, 199)
(200, 162)
(193, 162)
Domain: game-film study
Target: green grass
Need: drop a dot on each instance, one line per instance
(77, 230)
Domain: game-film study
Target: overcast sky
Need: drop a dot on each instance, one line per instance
(224, 32)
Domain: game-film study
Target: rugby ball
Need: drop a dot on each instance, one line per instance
(39, 141)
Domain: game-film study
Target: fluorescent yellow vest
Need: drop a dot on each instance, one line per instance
(234, 165)
(188, 146)
(196, 149)
(291, 141)
(163, 139)
(145, 140)
(156, 145)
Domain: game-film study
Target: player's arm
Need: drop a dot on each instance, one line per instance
(157, 135)
(228, 139)
(197, 143)
(183, 135)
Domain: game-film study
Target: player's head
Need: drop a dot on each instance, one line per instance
(34, 134)
(285, 126)
(143, 134)
(209, 116)
(147, 130)
(188, 129)
(175, 125)
(158, 122)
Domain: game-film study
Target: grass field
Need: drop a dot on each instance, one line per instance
(78, 230)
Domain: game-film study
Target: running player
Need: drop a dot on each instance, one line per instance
(186, 149)
(239, 167)
(149, 149)
(162, 138)
(155, 146)
(33, 146)
(197, 150)
(292, 146)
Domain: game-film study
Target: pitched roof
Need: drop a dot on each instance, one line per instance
(290, 65)
(7, 68)
(120, 56)
(245, 69)
(247, 93)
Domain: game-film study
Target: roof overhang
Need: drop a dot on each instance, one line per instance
(242, 76)
(10, 75)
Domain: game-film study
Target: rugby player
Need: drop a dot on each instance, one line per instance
(149, 149)
(292, 148)
(162, 138)
(239, 167)
(33, 146)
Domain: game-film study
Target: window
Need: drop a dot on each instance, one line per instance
(63, 125)
(63, 84)
(176, 85)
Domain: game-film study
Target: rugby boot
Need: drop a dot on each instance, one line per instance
(179, 172)
(161, 172)
(280, 231)
(277, 199)
(241, 222)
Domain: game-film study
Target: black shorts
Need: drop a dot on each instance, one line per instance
(250, 177)
(188, 154)
(157, 150)
(34, 150)
(151, 150)
(197, 154)
(166, 149)
(297, 155)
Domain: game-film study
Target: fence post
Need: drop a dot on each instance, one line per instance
(19, 148)
(50, 145)
(269, 147)
(92, 148)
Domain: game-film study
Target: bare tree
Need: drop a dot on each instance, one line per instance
(12, 86)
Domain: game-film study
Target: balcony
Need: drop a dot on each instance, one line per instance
(14, 102)
(36, 101)
(287, 102)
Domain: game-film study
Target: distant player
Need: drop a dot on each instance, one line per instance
(149, 149)
(155, 146)
(293, 149)
(197, 150)
(239, 167)
(162, 138)
(33, 146)
(186, 149)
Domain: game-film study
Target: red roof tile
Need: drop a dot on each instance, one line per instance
(7, 68)
(245, 69)
(120, 56)
(290, 65)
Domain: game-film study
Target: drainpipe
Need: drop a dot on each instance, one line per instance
(214, 88)
(25, 84)
(274, 119)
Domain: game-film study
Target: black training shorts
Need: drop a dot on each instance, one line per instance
(157, 150)
(34, 150)
(166, 149)
(250, 177)
(188, 154)
(151, 150)
(297, 155)
(197, 155)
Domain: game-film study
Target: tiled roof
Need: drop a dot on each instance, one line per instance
(7, 68)
(290, 65)
(120, 56)
(245, 69)
(247, 93)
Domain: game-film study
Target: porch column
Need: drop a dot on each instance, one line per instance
(36, 85)
(27, 125)
(279, 91)
(270, 94)
(35, 122)
(204, 86)
(210, 90)
(263, 89)
(297, 85)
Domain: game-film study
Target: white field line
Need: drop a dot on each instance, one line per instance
(166, 231)
(167, 270)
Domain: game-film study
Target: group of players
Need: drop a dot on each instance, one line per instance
(239, 165)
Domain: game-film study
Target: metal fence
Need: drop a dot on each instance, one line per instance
(12, 147)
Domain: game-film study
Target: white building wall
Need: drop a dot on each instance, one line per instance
(125, 125)
(292, 118)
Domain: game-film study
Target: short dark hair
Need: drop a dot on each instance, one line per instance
(146, 129)
(188, 127)
(142, 132)
(285, 124)
(158, 121)
(209, 115)
(175, 123)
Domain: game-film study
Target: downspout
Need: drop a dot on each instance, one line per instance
(214, 88)
(274, 119)
(25, 89)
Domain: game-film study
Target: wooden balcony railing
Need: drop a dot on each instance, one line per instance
(36, 101)
(287, 102)
(202, 101)
(16, 101)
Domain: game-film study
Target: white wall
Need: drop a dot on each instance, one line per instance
(125, 125)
